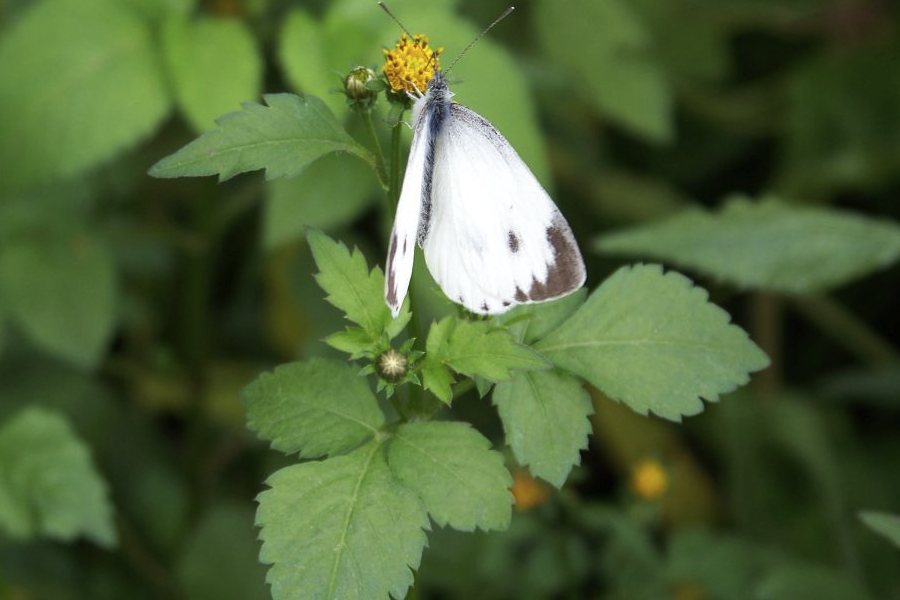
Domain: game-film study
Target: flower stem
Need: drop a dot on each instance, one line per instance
(394, 183)
(379, 155)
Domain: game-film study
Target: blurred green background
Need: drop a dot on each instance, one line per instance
(133, 310)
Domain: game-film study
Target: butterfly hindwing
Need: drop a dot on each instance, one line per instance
(494, 238)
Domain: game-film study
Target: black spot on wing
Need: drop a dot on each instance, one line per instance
(484, 307)
(513, 242)
(390, 293)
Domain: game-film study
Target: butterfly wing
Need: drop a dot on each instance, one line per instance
(401, 249)
(494, 237)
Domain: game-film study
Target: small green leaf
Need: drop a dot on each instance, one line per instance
(352, 340)
(62, 295)
(883, 523)
(767, 245)
(282, 138)
(48, 484)
(654, 342)
(608, 52)
(214, 65)
(318, 407)
(545, 418)
(343, 528)
(437, 379)
(351, 287)
(81, 82)
(474, 348)
(460, 480)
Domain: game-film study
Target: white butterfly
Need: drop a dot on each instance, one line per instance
(492, 236)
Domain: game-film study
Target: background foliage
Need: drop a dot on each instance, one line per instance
(752, 144)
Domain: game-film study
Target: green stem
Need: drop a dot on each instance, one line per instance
(843, 326)
(394, 184)
(379, 155)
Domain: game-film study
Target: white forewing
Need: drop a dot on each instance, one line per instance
(401, 249)
(494, 238)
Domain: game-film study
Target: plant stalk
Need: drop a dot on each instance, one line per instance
(376, 145)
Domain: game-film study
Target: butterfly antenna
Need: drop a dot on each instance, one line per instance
(478, 37)
(396, 20)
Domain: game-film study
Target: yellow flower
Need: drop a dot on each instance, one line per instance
(411, 64)
(527, 490)
(649, 480)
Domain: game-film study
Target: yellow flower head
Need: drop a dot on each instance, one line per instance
(649, 480)
(411, 64)
(527, 490)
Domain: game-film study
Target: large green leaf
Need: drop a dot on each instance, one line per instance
(767, 245)
(282, 137)
(80, 83)
(883, 523)
(354, 289)
(48, 484)
(607, 52)
(61, 294)
(214, 66)
(530, 322)
(545, 418)
(343, 528)
(461, 481)
(654, 342)
(316, 407)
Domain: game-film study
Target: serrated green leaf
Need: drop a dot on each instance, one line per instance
(332, 192)
(80, 83)
(283, 137)
(767, 245)
(460, 480)
(351, 287)
(474, 348)
(545, 419)
(437, 379)
(213, 64)
(341, 529)
(530, 322)
(882, 523)
(609, 54)
(654, 342)
(352, 340)
(48, 484)
(62, 295)
(318, 407)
